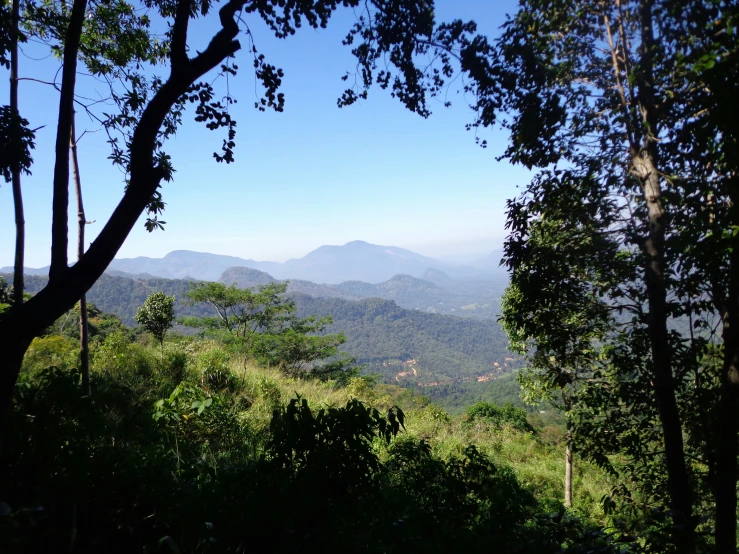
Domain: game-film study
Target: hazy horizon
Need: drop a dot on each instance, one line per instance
(454, 257)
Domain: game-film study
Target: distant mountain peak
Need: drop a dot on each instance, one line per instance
(356, 260)
(245, 277)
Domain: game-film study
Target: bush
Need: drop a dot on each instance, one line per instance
(215, 371)
(51, 351)
(508, 414)
(156, 453)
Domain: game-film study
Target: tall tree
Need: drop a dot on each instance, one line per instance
(152, 107)
(622, 107)
(81, 222)
(559, 339)
(20, 223)
(18, 138)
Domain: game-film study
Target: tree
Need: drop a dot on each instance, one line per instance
(262, 324)
(242, 312)
(156, 315)
(559, 340)
(19, 142)
(150, 109)
(81, 222)
(622, 108)
(5, 299)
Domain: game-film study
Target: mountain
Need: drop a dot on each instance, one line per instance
(476, 299)
(246, 278)
(179, 264)
(354, 261)
(437, 277)
(26, 270)
(357, 261)
(415, 348)
(407, 291)
(490, 264)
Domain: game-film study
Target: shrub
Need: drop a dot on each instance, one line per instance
(50, 351)
(215, 371)
(508, 414)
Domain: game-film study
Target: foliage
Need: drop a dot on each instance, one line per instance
(381, 335)
(6, 295)
(618, 249)
(157, 315)
(53, 350)
(449, 350)
(215, 370)
(100, 324)
(16, 143)
(242, 312)
(261, 324)
(160, 449)
(508, 414)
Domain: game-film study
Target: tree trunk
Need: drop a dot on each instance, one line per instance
(60, 202)
(12, 359)
(67, 284)
(645, 163)
(568, 467)
(20, 223)
(678, 479)
(728, 420)
(81, 222)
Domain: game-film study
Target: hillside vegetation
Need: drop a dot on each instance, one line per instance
(194, 449)
(443, 349)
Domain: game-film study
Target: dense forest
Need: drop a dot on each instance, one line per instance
(436, 293)
(446, 348)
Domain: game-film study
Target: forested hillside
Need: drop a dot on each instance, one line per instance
(408, 347)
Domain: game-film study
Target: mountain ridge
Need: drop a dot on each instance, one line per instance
(331, 264)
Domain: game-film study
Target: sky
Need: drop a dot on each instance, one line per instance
(311, 175)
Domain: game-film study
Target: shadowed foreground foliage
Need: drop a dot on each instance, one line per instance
(190, 451)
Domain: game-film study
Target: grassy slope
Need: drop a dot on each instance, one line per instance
(538, 460)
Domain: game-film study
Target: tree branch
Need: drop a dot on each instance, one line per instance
(59, 231)
(178, 55)
(60, 294)
(619, 84)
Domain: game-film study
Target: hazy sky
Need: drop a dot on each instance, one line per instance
(312, 175)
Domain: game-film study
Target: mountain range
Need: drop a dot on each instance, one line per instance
(354, 261)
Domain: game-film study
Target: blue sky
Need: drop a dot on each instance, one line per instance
(314, 174)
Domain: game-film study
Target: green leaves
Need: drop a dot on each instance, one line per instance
(200, 405)
(16, 143)
(507, 414)
(157, 315)
(262, 322)
(630, 135)
(185, 402)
